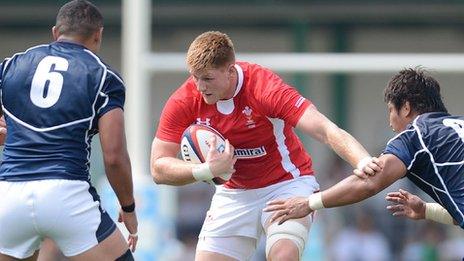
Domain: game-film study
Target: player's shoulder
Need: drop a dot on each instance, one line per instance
(31, 51)
(258, 79)
(254, 71)
(432, 121)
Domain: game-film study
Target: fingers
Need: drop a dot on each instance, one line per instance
(3, 130)
(132, 241)
(375, 164)
(405, 193)
(397, 210)
(278, 215)
(229, 149)
(276, 202)
(212, 143)
(396, 199)
(360, 174)
(273, 208)
(372, 166)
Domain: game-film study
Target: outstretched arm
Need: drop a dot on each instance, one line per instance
(413, 207)
(315, 124)
(348, 191)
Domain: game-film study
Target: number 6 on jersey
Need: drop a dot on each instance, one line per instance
(48, 72)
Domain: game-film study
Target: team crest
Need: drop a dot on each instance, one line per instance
(248, 112)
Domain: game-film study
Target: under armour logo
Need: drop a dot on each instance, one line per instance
(206, 122)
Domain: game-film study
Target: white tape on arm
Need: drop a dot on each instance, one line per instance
(315, 201)
(201, 172)
(363, 162)
(435, 212)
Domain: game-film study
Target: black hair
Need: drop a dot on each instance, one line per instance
(416, 87)
(79, 17)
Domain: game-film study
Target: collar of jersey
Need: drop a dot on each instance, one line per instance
(239, 80)
(71, 43)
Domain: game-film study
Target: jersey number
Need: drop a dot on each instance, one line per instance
(48, 75)
(457, 125)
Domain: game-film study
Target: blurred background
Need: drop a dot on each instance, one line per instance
(171, 217)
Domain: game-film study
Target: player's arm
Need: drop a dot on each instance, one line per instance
(348, 191)
(167, 169)
(2, 117)
(315, 124)
(115, 155)
(3, 131)
(354, 189)
(118, 168)
(411, 206)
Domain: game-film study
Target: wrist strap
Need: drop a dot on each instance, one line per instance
(202, 172)
(315, 201)
(435, 212)
(128, 209)
(363, 162)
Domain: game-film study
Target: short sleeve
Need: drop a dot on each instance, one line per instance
(281, 100)
(404, 146)
(175, 118)
(112, 94)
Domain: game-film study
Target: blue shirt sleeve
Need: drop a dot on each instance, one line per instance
(112, 94)
(404, 146)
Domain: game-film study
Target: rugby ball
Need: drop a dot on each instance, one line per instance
(195, 145)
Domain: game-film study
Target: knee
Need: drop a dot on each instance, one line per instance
(286, 241)
(283, 250)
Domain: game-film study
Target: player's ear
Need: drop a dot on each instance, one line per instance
(55, 33)
(406, 109)
(98, 36)
(231, 69)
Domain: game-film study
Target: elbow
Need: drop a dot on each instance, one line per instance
(156, 173)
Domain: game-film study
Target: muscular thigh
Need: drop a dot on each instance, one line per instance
(225, 248)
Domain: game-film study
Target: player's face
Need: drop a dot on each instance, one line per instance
(215, 84)
(398, 118)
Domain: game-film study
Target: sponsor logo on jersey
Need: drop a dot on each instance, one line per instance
(206, 121)
(250, 123)
(250, 153)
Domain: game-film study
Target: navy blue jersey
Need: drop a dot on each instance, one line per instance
(52, 97)
(432, 148)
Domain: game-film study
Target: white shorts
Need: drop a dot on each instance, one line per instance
(239, 212)
(67, 211)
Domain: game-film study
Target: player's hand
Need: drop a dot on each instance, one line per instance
(2, 130)
(368, 167)
(220, 163)
(131, 223)
(407, 205)
(285, 209)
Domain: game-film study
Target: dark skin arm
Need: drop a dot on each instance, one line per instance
(118, 166)
(348, 191)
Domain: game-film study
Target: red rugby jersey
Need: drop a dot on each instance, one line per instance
(258, 121)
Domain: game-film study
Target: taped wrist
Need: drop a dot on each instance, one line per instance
(315, 201)
(435, 212)
(202, 172)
